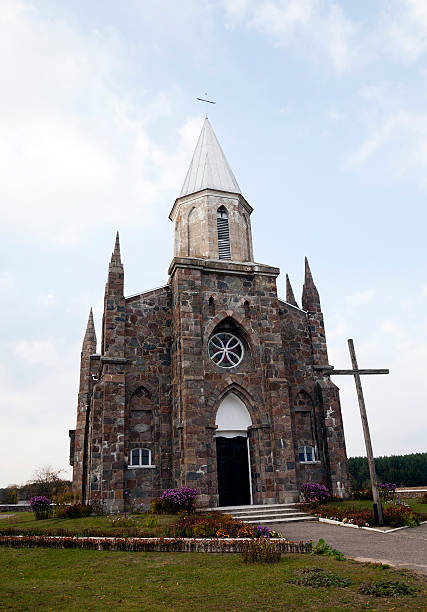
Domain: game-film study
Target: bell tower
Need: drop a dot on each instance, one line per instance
(211, 217)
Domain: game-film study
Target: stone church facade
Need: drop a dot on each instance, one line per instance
(211, 381)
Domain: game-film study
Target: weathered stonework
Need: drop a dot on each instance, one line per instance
(154, 387)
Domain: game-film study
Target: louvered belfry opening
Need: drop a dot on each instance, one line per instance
(224, 249)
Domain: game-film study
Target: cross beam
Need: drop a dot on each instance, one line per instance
(356, 372)
(343, 372)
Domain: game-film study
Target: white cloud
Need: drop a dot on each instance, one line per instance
(317, 28)
(35, 352)
(67, 162)
(361, 298)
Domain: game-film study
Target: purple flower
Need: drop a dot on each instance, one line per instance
(314, 492)
(181, 498)
(39, 502)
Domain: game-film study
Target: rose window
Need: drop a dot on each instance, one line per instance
(225, 350)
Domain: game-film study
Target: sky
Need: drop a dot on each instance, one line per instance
(321, 112)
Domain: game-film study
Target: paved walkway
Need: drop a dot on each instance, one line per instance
(403, 548)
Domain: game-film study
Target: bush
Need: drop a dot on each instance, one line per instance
(386, 490)
(322, 548)
(77, 511)
(398, 514)
(40, 505)
(387, 588)
(179, 499)
(363, 494)
(316, 577)
(261, 551)
(314, 492)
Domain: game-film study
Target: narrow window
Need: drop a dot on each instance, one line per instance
(247, 311)
(211, 307)
(140, 457)
(224, 250)
(305, 453)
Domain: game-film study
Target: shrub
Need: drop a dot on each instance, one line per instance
(387, 588)
(179, 499)
(314, 492)
(424, 498)
(78, 511)
(316, 577)
(362, 494)
(40, 505)
(397, 514)
(386, 490)
(322, 548)
(260, 551)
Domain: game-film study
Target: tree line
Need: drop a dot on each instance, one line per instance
(402, 470)
(46, 481)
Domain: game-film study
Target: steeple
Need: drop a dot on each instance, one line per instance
(113, 321)
(290, 298)
(310, 295)
(89, 341)
(211, 217)
(209, 168)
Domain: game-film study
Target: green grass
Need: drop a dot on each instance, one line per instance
(25, 522)
(48, 579)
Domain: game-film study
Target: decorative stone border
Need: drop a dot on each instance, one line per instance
(205, 545)
(341, 524)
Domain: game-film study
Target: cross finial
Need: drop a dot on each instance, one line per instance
(205, 99)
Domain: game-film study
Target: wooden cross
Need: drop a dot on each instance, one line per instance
(356, 373)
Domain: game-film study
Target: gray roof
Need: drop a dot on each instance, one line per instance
(209, 169)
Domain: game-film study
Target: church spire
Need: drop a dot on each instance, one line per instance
(209, 168)
(290, 298)
(310, 295)
(115, 257)
(89, 341)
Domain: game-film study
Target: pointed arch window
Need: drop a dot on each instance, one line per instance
(224, 248)
(211, 307)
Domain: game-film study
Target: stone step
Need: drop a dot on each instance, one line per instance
(265, 513)
(259, 516)
(230, 509)
(288, 519)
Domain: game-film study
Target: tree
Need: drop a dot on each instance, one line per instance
(47, 481)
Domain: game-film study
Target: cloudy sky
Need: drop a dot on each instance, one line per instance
(322, 113)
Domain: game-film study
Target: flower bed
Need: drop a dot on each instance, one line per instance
(213, 545)
(211, 525)
(351, 516)
(396, 514)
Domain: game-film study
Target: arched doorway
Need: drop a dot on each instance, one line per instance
(232, 452)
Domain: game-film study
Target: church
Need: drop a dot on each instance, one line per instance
(211, 381)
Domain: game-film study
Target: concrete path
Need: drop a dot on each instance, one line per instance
(404, 548)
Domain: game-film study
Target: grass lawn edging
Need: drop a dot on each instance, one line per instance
(204, 545)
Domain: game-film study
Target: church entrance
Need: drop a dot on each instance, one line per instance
(232, 452)
(233, 471)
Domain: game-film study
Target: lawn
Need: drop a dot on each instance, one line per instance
(47, 579)
(147, 524)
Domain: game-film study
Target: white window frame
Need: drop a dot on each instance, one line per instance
(140, 465)
(303, 449)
